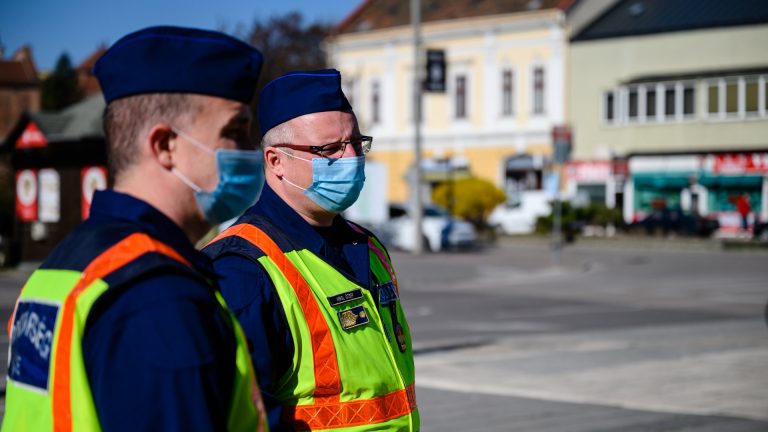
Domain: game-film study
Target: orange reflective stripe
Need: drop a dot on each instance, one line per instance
(327, 381)
(110, 260)
(353, 413)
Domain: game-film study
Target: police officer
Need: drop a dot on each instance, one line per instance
(122, 327)
(316, 294)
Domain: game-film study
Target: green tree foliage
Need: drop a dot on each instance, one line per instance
(59, 89)
(575, 218)
(473, 198)
(288, 44)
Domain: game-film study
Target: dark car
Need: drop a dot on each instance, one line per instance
(760, 231)
(676, 221)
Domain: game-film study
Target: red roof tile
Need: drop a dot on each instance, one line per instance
(379, 14)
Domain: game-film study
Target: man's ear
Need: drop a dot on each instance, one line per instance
(161, 143)
(273, 163)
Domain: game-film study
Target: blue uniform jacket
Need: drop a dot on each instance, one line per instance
(158, 353)
(251, 295)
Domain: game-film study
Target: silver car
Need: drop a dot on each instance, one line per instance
(440, 230)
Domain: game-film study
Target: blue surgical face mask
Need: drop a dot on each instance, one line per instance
(241, 177)
(336, 183)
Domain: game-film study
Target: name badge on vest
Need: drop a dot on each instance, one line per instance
(387, 294)
(354, 317)
(32, 343)
(345, 297)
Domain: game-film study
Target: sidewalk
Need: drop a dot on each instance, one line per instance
(673, 243)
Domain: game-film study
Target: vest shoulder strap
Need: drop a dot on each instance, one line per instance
(113, 258)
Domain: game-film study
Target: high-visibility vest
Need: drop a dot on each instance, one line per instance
(352, 367)
(48, 388)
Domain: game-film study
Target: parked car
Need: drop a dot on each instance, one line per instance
(760, 233)
(676, 221)
(519, 216)
(440, 230)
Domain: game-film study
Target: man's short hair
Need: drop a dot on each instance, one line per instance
(280, 134)
(126, 120)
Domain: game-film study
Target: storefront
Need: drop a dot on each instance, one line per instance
(707, 184)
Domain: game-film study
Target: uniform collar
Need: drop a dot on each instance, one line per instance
(110, 205)
(274, 208)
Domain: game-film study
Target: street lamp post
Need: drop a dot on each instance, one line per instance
(417, 175)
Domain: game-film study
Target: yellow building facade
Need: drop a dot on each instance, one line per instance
(505, 78)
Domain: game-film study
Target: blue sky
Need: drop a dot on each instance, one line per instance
(78, 27)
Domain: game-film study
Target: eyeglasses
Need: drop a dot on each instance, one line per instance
(335, 150)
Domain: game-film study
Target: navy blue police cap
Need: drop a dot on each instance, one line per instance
(179, 60)
(298, 93)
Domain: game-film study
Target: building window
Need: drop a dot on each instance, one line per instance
(713, 98)
(688, 100)
(732, 97)
(461, 96)
(609, 106)
(375, 103)
(349, 91)
(764, 82)
(752, 96)
(650, 103)
(538, 90)
(669, 101)
(507, 93)
(633, 104)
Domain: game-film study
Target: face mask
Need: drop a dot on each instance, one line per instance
(336, 183)
(241, 177)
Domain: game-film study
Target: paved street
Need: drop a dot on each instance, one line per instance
(620, 337)
(623, 338)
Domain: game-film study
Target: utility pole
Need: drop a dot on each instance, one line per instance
(418, 205)
(562, 144)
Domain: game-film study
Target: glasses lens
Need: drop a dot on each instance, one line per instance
(365, 144)
(333, 150)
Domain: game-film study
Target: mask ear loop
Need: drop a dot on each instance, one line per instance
(292, 156)
(295, 157)
(198, 144)
(193, 141)
(186, 180)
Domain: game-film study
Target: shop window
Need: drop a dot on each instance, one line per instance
(633, 102)
(650, 104)
(507, 93)
(732, 97)
(688, 100)
(609, 107)
(538, 90)
(461, 97)
(752, 96)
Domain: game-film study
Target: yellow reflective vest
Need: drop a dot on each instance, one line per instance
(48, 388)
(352, 368)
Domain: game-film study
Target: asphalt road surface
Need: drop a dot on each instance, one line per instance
(620, 337)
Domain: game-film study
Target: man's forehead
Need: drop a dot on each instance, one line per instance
(330, 124)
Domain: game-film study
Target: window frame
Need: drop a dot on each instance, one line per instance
(461, 96)
(538, 95)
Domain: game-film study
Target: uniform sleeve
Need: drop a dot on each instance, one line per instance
(250, 294)
(160, 355)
